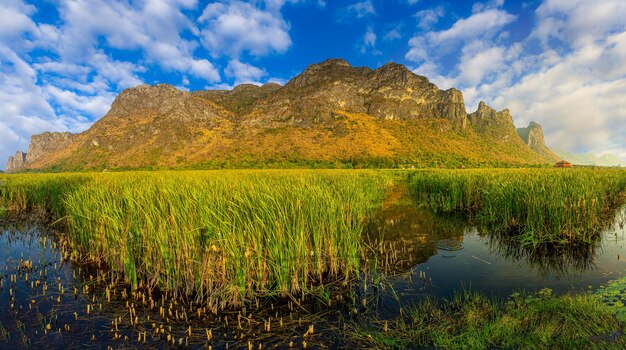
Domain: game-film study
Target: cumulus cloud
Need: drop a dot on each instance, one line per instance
(153, 27)
(479, 26)
(369, 39)
(237, 27)
(244, 73)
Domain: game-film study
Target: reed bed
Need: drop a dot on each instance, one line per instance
(222, 237)
(544, 205)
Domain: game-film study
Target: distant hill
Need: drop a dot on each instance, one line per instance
(332, 114)
(590, 159)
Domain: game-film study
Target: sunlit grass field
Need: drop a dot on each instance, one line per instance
(227, 237)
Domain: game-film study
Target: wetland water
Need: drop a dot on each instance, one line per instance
(48, 302)
(449, 255)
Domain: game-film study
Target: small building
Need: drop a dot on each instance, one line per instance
(563, 164)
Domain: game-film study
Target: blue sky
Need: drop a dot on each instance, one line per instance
(561, 63)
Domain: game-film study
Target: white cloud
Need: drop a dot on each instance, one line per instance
(369, 39)
(153, 27)
(362, 9)
(579, 22)
(482, 6)
(237, 27)
(574, 86)
(244, 73)
(15, 19)
(479, 26)
(426, 18)
(393, 34)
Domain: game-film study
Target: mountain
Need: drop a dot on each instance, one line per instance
(533, 137)
(590, 159)
(332, 114)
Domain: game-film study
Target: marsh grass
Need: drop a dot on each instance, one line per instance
(228, 237)
(546, 205)
(223, 237)
(473, 321)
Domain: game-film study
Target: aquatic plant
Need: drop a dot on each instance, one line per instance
(473, 321)
(547, 205)
(614, 296)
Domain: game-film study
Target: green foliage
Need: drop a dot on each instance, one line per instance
(472, 321)
(548, 205)
(614, 296)
(46, 191)
(224, 236)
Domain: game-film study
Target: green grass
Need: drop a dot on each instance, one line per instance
(226, 237)
(548, 205)
(223, 237)
(472, 321)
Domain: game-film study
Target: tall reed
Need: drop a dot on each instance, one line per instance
(547, 205)
(228, 236)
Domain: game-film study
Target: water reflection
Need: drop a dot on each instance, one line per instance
(547, 258)
(449, 253)
(420, 233)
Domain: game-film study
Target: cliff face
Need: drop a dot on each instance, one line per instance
(332, 112)
(41, 145)
(391, 92)
(46, 143)
(16, 162)
(533, 137)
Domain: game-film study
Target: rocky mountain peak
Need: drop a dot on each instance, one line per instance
(16, 162)
(144, 97)
(487, 115)
(395, 74)
(333, 62)
(244, 87)
(270, 86)
(532, 135)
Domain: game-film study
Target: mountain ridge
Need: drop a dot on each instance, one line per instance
(332, 113)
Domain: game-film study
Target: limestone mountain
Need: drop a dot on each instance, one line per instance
(332, 114)
(533, 137)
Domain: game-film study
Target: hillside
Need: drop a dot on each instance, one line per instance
(332, 114)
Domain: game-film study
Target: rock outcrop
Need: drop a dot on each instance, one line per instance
(41, 146)
(532, 135)
(488, 120)
(391, 92)
(332, 113)
(47, 142)
(16, 162)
